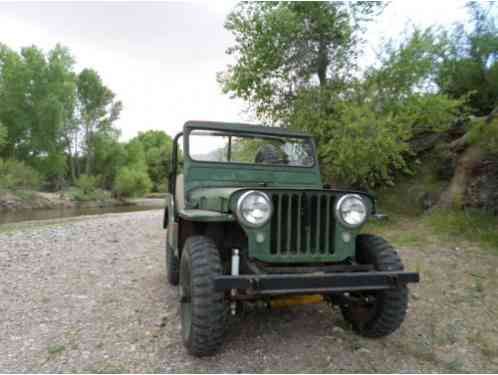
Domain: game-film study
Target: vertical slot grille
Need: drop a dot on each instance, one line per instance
(302, 223)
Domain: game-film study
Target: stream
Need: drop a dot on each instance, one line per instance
(16, 216)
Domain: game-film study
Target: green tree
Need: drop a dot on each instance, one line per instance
(157, 146)
(470, 66)
(296, 65)
(110, 156)
(136, 154)
(287, 46)
(132, 182)
(3, 136)
(13, 88)
(37, 94)
(97, 110)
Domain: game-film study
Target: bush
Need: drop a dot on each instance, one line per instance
(87, 184)
(17, 175)
(132, 182)
(97, 195)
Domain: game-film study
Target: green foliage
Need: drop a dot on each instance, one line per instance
(470, 224)
(98, 111)
(3, 136)
(157, 146)
(110, 156)
(470, 67)
(136, 154)
(36, 100)
(282, 47)
(17, 175)
(364, 132)
(406, 66)
(48, 109)
(486, 134)
(296, 65)
(132, 182)
(96, 195)
(87, 184)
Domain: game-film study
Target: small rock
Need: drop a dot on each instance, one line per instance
(363, 350)
(337, 329)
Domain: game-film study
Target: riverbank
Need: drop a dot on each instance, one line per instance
(28, 199)
(11, 200)
(28, 206)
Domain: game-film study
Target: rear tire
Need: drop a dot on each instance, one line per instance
(387, 312)
(172, 272)
(202, 308)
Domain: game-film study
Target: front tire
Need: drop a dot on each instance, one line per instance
(202, 308)
(387, 308)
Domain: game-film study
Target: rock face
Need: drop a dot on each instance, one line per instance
(482, 191)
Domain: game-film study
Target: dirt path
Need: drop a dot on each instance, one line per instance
(91, 296)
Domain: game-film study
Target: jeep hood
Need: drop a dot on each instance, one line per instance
(218, 198)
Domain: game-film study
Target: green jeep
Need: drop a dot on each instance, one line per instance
(248, 219)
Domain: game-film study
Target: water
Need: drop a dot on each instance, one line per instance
(16, 216)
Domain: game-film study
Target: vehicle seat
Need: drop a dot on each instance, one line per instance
(179, 192)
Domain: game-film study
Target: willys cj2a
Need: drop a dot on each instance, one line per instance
(248, 219)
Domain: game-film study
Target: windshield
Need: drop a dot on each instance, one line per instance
(226, 147)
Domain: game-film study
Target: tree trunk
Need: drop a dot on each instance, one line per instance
(88, 139)
(322, 63)
(72, 167)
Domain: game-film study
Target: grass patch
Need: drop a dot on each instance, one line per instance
(471, 225)
(448, 226)
(400, 230)
(455, 366)
(55, 349)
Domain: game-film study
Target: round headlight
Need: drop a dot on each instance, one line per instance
(351, 210)
(254, 208)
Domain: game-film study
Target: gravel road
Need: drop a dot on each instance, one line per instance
(90, 295)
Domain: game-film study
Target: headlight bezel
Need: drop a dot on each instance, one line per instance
(241, 217)
(338, 212)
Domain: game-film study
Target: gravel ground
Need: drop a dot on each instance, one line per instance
(90, 295)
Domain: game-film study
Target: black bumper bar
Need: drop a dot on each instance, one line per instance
(316, 282)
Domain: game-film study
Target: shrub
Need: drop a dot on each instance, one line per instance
(87, 184)
(132, 182)
(17, 175)
(97, 195)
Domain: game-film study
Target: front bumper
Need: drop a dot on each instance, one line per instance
(273, 284)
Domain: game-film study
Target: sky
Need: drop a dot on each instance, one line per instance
(161, 59)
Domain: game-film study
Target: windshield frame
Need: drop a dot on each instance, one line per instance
(249, 134)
